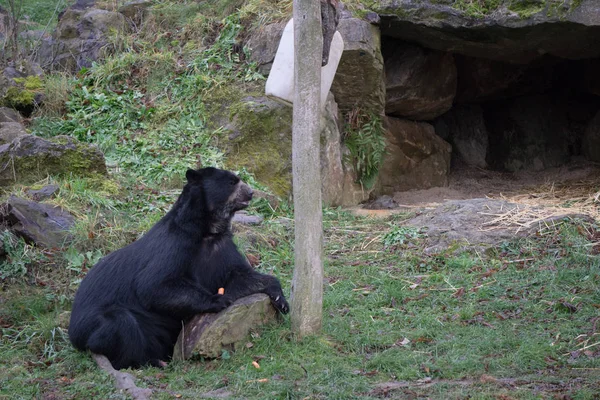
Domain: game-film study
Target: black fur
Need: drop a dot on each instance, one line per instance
(131, 305)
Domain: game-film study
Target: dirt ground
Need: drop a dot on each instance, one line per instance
(470, 183)
(482, 207)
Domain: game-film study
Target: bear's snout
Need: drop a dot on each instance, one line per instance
(244, 196)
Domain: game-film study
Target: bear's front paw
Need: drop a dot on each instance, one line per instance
(219, 303)
(280, 303)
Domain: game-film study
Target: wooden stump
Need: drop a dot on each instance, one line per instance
(209, 334)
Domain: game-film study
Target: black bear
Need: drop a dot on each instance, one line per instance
(131, 305)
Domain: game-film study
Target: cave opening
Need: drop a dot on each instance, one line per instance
(510, 125)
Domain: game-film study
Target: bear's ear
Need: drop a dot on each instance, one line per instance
(193, 176)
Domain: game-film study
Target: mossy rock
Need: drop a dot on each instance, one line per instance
(30, 158)
(25, 95)
(260, 134)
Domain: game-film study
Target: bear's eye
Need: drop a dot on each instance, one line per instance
(233, 181)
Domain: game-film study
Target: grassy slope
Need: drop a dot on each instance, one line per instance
(524, 312)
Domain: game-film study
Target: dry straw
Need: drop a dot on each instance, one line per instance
(544, 206)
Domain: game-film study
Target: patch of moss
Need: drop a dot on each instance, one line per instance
(477, 8)
(527, 8)
(102, 184)
(60, 156)
(31, 82)
(21, 97)
(262, 142)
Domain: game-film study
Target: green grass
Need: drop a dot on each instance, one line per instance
(391, 314)
(512, 322)
(38, 13)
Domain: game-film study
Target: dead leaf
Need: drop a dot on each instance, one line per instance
(459, 293)
(256, 365)
(263, 380)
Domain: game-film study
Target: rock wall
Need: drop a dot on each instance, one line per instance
(511, 88)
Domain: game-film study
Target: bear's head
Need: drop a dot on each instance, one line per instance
(217, 194)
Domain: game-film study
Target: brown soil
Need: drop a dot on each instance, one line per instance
(482, 208)
(469, 183)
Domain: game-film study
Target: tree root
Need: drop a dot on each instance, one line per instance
(123, 380)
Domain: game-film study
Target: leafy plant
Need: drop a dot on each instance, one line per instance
(400, 235)
(366, 142)
(19, 256)
(78, 261)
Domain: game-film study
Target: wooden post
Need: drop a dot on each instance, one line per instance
(307, 283)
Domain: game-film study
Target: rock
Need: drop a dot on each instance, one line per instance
(529, 132)
(480, 79)
(82, 5)
(260, 140)
(260, 134)
(372, 18)
(10, 131)
(242, 217)
(527, 32)
(591, 139)
(468, 134)
(23, 93)
(420, 83)
(332, 168)
(469, 224)
(384, 202)
(338, 185)
(9, 115)
(416, 158)
(273, 201)
(23, 69)
(270, 198)
(208, 335)
(30, 158)
(63, 320)
(263, 44)
(135, 11)
(81, 35)
(44, 193)
(359, 80)
(43, 224)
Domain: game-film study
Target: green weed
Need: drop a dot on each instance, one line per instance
(365, 140)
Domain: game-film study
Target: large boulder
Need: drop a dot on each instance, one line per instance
(591, 139)
(9, 131)
(81, 35)
(482, 80)
(467, 133)
(420, 83)
(263, 44)
(208, 335)
(9, 115)
(31, 158)
(42, 224)
(260, 134)
(416, 158)
(359, 80)
(260, 140)
(511, 31)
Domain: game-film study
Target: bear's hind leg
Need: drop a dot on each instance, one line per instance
(118, 337)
